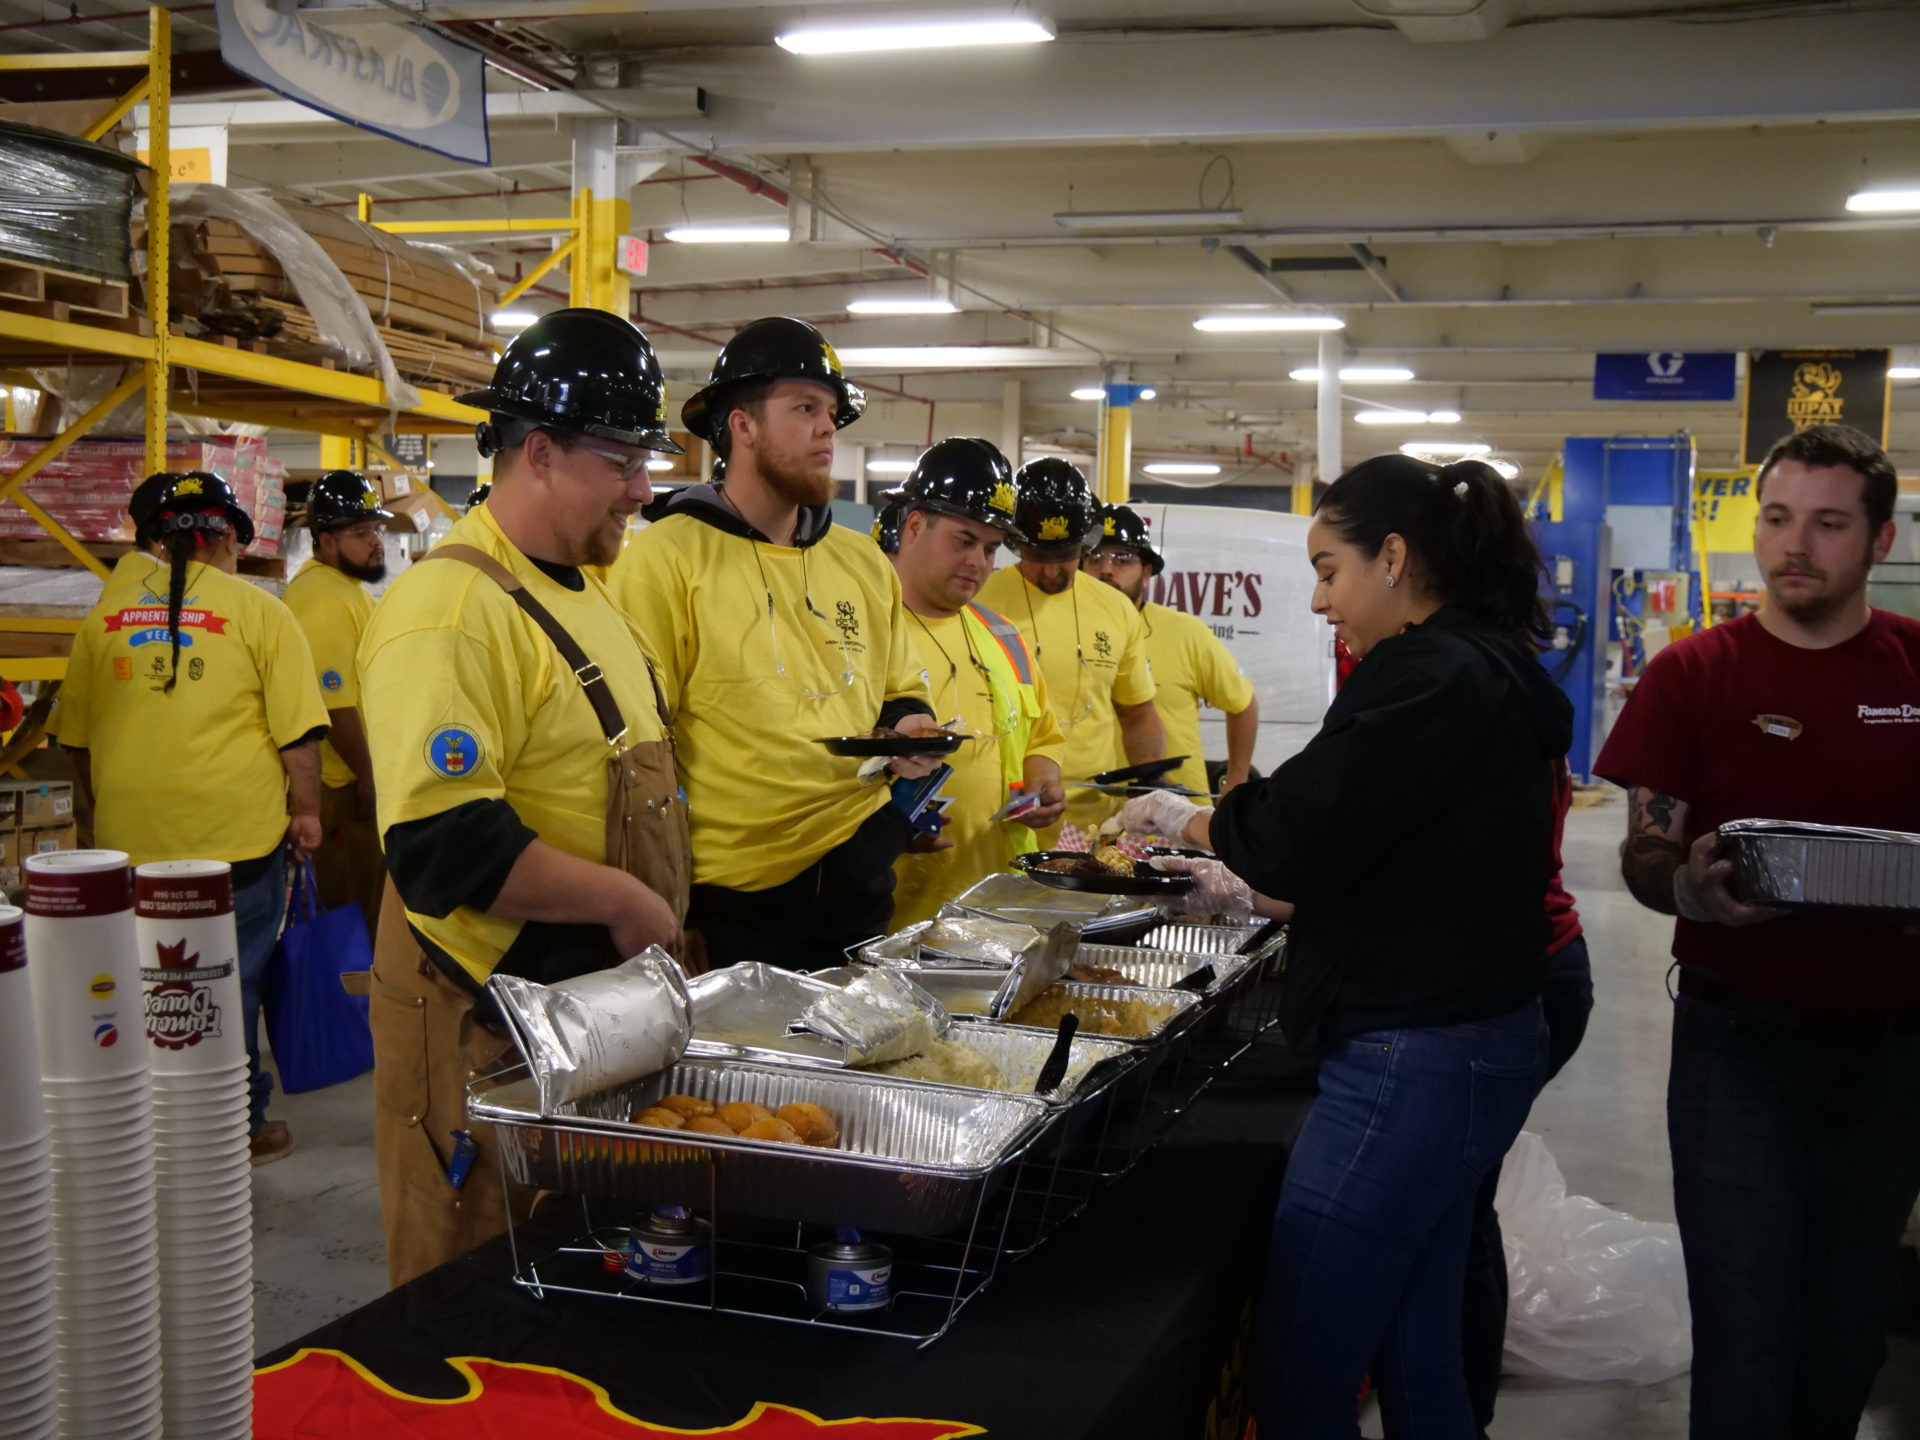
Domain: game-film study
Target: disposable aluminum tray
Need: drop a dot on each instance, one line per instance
(913, 1159)
(1094, 1061)
(1186, 1007)
(1784, 863)
(965, 993)
(1014, 897)
(1165, 968)
(1191, 939)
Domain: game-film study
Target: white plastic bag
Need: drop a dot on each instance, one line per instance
(1592, 1293)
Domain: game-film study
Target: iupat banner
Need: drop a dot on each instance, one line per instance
(1788, 390)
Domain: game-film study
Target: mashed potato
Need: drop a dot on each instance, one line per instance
(949, 1062)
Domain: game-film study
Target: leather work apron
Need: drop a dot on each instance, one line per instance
(427, 1044)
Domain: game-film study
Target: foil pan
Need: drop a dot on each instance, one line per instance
(913, 1159)
(1192, 939)
(599, 1030)
(1185, 1008)
(961, 991)
(1093, 1061)
(1015, 897)
(757, 1011)
(955, 937)
(1782, 862)
(1162, 969)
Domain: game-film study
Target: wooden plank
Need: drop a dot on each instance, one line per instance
(20, 645)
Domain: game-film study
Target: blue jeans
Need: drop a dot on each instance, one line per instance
(1796, 1159)
(1370, 1241)
(257, 911)
(1566, 1000)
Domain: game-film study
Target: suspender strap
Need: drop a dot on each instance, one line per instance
(599, 693)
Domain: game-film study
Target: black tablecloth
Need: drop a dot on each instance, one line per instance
(1131, 1321)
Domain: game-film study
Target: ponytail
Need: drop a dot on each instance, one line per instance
(181, 545)
(1463, 527)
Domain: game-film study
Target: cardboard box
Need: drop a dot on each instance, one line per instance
(30, 804)
(52, 837)
(10, 849)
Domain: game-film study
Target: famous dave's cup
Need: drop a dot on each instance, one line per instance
(189, 966)
(84, 963)
(22, 1118)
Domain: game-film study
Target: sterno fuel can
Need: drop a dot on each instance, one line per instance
(847, 1274)
(670, 1248)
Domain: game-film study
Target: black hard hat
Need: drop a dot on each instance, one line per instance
(197, 500)
(888, 519)
(478, 495)
(585, 371)
(1052, 503)
(965, 476)
(765, 351)
(343, 497)
(144, 501)
(1122, 527)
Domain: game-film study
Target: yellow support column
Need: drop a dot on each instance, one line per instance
(1303, 497)
(594, 279)
(339, 452)
(159, 217)
(1116, 450)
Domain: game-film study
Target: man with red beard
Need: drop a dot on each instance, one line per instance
(1793, 1102)
(773, 630)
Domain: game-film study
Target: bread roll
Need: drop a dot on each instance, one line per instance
(687, 1105)
(739, 1114)
(772, 1129)
(815, 1125)
(708, 1125)
(664, 1119)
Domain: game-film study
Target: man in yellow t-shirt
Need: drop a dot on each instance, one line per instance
(181, 658)
(775, 629)
(1089, 642)
(328, 596)
(491, 749)
(1190, 663)
(955, 509)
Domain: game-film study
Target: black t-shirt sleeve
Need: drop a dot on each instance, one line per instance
(1329, 810)
(313, 736)
(894, 711)
(459, 857)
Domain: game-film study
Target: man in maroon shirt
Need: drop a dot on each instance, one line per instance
(1793, 1102)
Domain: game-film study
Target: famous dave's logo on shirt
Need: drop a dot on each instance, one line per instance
(453, 751)
(1890, 714)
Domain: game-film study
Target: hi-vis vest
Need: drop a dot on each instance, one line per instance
(1010, 671)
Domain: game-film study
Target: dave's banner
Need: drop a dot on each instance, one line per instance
(1788, 390)
(398, 80)
(1664, 375)
(1726, 509)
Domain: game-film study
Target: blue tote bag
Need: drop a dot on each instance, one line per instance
(318, 1031)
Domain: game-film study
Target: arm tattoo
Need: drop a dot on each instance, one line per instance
(1658, 811)
(1651, 854)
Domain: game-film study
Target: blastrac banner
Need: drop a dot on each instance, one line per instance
(402, 81)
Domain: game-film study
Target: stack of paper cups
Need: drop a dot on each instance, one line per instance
(27, 1389)
(87, 1008)
(190, 971)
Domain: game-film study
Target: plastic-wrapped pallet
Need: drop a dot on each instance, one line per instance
(64, 203)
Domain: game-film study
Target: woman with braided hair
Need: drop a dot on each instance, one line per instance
(195, 720)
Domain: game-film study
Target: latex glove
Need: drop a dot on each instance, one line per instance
(1159, 812)
(1216, 889)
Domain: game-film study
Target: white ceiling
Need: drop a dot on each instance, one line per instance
(1537, 180)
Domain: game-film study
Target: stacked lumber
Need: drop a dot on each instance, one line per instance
(86, 489)
(432, 315)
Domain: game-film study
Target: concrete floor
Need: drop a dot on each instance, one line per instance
(317, 1248)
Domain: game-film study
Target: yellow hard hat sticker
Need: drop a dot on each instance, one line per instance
(1002, 497)
(1108, 528)
(832, 357)
(189, 486)
(1054, 527)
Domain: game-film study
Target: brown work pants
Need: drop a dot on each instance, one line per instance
(348, 865)
(426, 1047)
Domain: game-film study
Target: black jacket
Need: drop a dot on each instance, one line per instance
(1414, 835)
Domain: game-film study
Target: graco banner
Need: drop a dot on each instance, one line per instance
(1788, 390)
(402, 81)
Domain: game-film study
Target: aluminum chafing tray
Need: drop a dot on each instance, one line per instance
(1192, 939)
(1014, 897)
(1094, 1061)
(913, 1159)
(1832, 866)
(1162, 969)
(1185, 1008)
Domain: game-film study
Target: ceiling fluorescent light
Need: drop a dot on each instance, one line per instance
(959, 357)
(890, 467)
(1391, 417)
(1254, 323)
(659, 464)
(1883, 202)
(1091, 392)
(1124, 219)
(1182, 467)
(861, 39)
(1443, 417)
(924, 305)
(1450, 449)
(1506, 468)
(1147, 392)
(728, 234)
(1903, 372)
(513, 319)
(1356, 374)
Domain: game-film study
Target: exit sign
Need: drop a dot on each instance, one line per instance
(630, 254)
